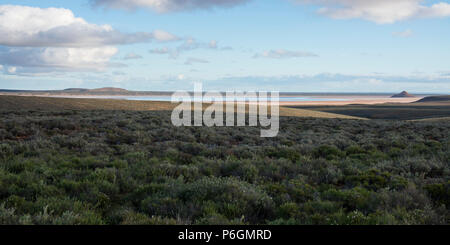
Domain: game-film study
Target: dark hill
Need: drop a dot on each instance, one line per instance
(440, 98)
(403, 94)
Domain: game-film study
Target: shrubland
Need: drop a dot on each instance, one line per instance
(134, 167)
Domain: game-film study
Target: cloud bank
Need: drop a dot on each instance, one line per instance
(56, 38)
(164, 6)
(24, 26)
(328, 82)
(189, 44)
(191, 61)
(284, 54)
(63, 59)
(132, 56)
(380, 11)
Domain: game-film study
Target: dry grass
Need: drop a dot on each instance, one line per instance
(294, 112)
(49, 104)
(437, 119)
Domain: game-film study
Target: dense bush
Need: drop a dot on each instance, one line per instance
(122, 167)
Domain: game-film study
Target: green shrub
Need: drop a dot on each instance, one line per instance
(440, 193)
(328, 152)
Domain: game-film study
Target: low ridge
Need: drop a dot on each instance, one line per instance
(439, 98)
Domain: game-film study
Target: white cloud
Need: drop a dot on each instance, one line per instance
(173, 54)
(213, 44)
(283, 54)
(191, 61)
(45, 38)
(24, 26)
(380, 11)
(163, 6)
(60, 59)
(406, 33)
(164, 50)
(188, 45)
(164, 36)
(1, 68)
(132, 56)
(12, 69)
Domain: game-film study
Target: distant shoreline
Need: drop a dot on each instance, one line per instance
(303, 99)
(122, 92)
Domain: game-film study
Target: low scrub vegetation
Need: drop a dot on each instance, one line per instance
(132, 167)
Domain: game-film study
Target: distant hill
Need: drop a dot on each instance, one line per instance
(440, 98)
(109, 89)
(403, 94)
(103, 90)
(76, 90)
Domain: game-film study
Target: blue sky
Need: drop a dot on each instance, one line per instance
(282, 45)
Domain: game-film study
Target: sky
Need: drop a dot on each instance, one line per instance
(263, 45)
